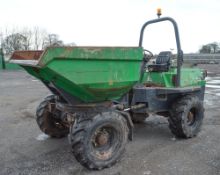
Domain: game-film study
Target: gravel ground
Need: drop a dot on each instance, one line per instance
(24, 150)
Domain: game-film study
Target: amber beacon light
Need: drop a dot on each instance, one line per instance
(159, 12)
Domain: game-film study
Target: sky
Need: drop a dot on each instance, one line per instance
(118, 22)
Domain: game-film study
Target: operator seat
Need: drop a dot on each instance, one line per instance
(162, 63)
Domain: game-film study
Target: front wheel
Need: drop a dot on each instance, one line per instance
(99, 142)
(186, 117)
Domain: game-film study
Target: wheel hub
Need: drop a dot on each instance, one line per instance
(190, 118)
(101, 138)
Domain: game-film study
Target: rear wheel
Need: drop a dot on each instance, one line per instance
(186, 117)
(47, 117)
(99, 142)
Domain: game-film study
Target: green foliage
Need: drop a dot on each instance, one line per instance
(52, 40)
(14, 42)
(210, 48)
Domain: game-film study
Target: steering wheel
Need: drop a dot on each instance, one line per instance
(148, 55)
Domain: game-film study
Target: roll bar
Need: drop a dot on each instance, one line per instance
(179, 50)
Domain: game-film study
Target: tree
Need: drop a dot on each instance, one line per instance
(28, 39)
(210, 48)
(52, 40)
(27, 34)
(39, 37)
(205, 49)
(215, 47)
(14, 42)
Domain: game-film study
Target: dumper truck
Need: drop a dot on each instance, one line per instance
(98, 93)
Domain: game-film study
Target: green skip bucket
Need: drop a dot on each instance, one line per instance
(91, 74)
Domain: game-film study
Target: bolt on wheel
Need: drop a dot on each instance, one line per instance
(99, 141)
